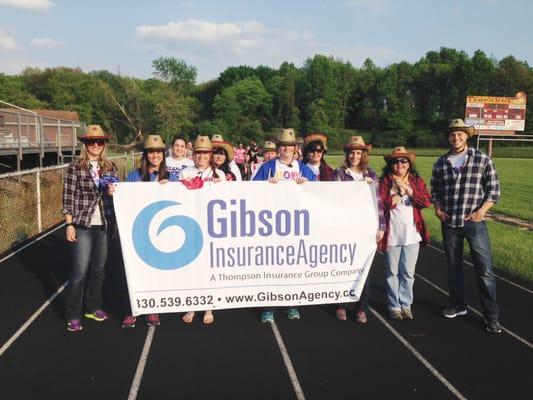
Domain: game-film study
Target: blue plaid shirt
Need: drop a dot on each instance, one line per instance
(462, 191)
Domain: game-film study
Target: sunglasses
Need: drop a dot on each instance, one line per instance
(97, 142)
(400, 161)
(316, 151)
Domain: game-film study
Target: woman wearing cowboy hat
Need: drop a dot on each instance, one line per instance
(404, 195)
(356, 169)
(89, 215)
(268, 152)
(315, 148)
(223, 158)
(152, 169)
(284, 168)
(204, 170)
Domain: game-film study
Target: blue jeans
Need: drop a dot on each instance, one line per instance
(477, 235)
(89, 255)
(400, 275)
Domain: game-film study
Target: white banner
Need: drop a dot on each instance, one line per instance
(245, 244)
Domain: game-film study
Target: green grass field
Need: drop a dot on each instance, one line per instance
(512, 247)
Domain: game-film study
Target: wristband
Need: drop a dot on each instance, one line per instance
(69, 224)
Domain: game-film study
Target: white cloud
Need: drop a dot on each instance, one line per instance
(374, 6)
(7, 41)
(30, 5)
(45, 42)
(212, 47)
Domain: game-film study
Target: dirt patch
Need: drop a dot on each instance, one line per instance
(522, 224)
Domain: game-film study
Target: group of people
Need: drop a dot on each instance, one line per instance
(464, 185)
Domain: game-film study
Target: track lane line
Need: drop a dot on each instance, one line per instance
(136, 384)
(476, 312)
(525, 289)
(419, 356)
(32, 242)
(25, 326)
(288, 363)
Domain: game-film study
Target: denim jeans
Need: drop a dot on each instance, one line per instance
(89, 255)
(477, 235)
(400, 275)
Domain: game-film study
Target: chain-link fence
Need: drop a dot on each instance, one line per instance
(31, 201)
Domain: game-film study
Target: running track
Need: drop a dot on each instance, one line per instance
(317, 357)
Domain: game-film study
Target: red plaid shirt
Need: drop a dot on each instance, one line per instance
(81, 196)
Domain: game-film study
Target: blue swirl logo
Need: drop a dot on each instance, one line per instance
(166, 260)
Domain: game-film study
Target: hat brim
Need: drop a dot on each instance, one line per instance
(410, 156)
(469, 130)
(155, 148)
(89, 138)
(202, 149)
(226, 146)
(366, 147)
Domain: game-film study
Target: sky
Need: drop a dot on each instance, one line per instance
(126, 36)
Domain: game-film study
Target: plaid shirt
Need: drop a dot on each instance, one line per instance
(81, 196)
(462, 191)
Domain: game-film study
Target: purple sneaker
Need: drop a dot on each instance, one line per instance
(97, 315)
(74, 325)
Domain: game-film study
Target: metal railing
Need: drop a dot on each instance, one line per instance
(31, 200)
(25, 130)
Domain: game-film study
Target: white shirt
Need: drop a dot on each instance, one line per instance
(315, 169)
(402, 228)
(206, 174)
(233, 167)
(177, 166)
(286, 173)
(357, 176)
(458, 160)
(96, 219)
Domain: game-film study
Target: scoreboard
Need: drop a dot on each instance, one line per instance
(496, 113)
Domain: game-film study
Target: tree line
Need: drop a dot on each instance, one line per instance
(403, 103)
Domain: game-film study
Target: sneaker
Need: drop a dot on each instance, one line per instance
(267, 317)
(407, 314)
(493, 326)
(454, 311)
(293, 313)
(129, 321)
(340, 314)
(152, 319)
(360, 317)
(395, 314)
(97, 315)
(74, 325)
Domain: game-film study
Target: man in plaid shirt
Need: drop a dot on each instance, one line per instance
(464, 186)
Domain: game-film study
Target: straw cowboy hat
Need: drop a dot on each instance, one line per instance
(459, 125)
(202, 143)
(218, 141)
(269, 146)
(154, 142)
(400, 152)
(321, 137)
(94, 132)
(357, 143)
(287, 136)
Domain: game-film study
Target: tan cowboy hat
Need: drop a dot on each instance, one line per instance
(357, 143)
(94, 132)
(269, 146)
(202, 143)
(154, 142)
(400, 152)
(321, 137)
(218, 141)
(459, 125)
(287, 136)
